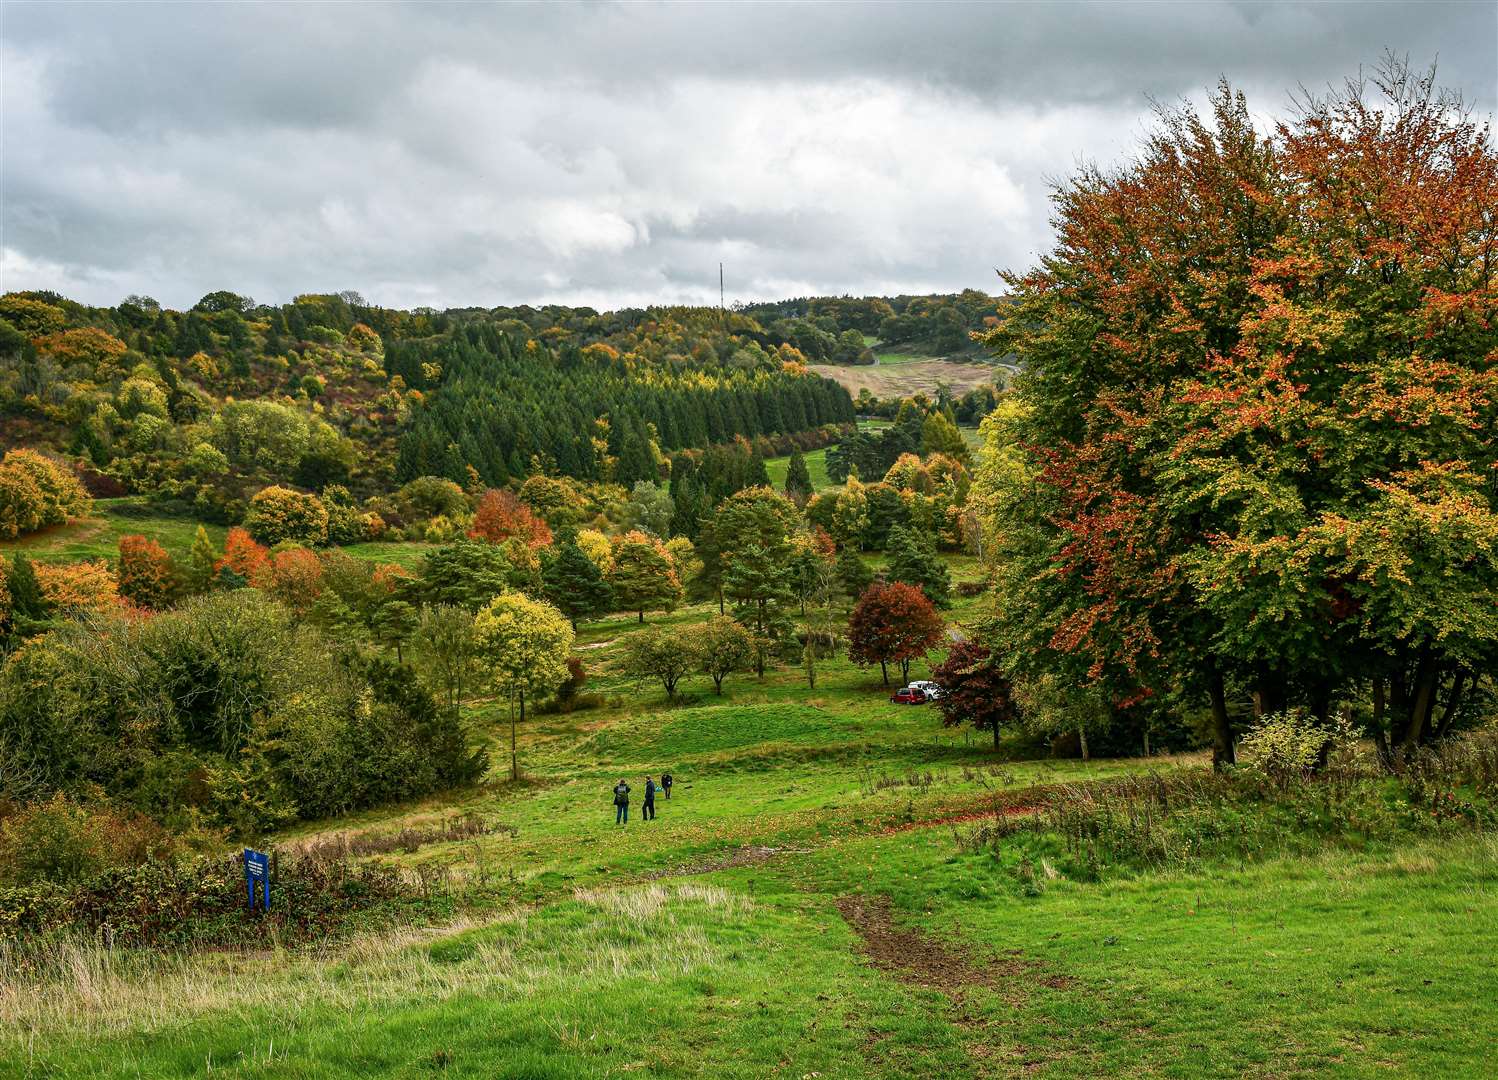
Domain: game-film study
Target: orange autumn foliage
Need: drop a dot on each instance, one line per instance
(501, 516)
(77, 588)
(293, 576)
(243, 556)
(145, 574)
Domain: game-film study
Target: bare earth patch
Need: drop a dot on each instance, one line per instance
(744, 856)
(919, 958)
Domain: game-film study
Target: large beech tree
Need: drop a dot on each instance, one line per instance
(1252, 451)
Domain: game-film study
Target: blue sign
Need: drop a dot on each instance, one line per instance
(257, 873)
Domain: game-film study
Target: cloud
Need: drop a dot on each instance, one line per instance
(610, 154)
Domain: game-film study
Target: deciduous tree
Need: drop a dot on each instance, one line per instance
(721, 646)
(893, 624)
(642, 576)
(501, 516)
(146, 576)
(975, 690)
(660, 653)
(280, 513)
(524, 645)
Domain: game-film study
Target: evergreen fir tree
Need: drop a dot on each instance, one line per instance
(197, 574)
(28, 608)
(798, 478)
(574, 585)
(913, 561)
(853, 574)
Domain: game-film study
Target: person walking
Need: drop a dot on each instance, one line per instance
(647, 808)
(621, 803)
(666, 784)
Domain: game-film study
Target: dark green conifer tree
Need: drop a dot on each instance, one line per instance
(913, 561)
(574, 585)
(798, 478)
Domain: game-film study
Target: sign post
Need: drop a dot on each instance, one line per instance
(257, 872)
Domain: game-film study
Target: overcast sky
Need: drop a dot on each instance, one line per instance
(612, 155)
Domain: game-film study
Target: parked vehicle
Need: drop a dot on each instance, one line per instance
(926, 686)
(909, 696)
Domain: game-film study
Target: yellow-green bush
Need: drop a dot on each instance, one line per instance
(278, 513)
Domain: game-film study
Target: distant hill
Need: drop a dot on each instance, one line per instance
(208, 405)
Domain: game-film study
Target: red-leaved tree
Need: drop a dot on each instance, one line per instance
(974, 690)
(893, 624)
(243, 557)
(501, 516)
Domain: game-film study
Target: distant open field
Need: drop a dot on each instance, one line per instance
(98, 535)
(900, 377)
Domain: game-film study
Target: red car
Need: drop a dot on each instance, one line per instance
(909, 696)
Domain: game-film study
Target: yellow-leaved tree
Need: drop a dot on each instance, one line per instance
(523, 646)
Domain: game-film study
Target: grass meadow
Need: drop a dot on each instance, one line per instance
(810, 903)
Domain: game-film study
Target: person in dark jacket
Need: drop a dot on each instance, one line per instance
(621, 803)
(666, 784)
(647, 808)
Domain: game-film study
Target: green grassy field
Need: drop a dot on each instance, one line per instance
(816, 460)
(98, 536)
(816, 466)
(803, 906)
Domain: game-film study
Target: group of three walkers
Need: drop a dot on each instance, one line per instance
(647, 808)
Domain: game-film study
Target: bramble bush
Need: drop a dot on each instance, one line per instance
(202, 903)
(63, 840)
(1159, 821)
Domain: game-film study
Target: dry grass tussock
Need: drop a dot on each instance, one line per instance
(645, 932)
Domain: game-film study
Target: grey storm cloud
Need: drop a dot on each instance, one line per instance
(613, 154)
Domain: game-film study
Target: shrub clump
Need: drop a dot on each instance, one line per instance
(279, 514)
(36, 492)
(224, 711)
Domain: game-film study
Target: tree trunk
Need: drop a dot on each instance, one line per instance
(1380, 735)
(1082, 738)
(514, 759)
(884, 672)
(1222, 728)
(1424, 700)
(1271, 691)
(1146, 742)
(1453, 702)
(642, 615)
(996, 736)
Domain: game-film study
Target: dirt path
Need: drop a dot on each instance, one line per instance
(919, 958)
(744, 856)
